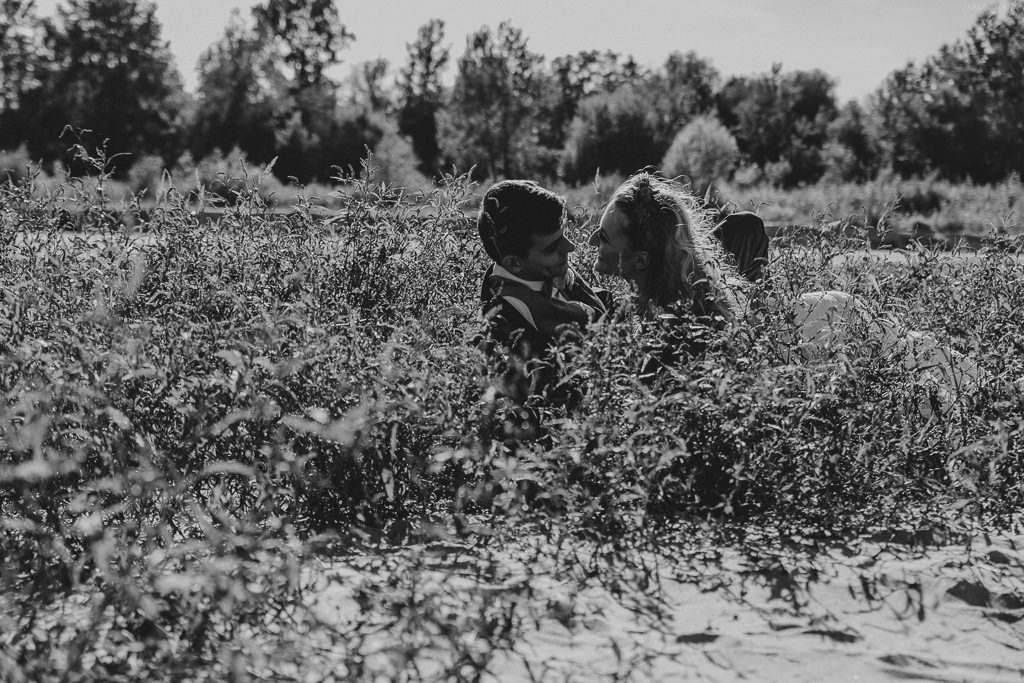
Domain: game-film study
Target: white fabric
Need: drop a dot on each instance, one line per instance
(823, 319)
(558, 284)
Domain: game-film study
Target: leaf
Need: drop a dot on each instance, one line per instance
(838, 636)
(117, 417)
(972, 593)
(228, 467)
(231, 357)
(36, 469)
(184, 582)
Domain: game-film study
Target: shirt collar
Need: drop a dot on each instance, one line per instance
(535, 285)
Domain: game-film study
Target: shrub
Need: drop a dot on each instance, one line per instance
(147, 176)
(15, 166)
(224, 178)
(704, 151)
(611, 133)
(396, 163)
(199, 417)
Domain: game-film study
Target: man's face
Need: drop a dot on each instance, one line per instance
(615, 255)
(547, 259)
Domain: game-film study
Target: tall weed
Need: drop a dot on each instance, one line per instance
(195, 414)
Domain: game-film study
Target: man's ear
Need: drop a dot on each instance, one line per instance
(511, 263)
(641, 260)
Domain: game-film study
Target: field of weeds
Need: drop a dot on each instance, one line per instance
(267, 448)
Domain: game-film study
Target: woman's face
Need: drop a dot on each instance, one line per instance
(615, 254)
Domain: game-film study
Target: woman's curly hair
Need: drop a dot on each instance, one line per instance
(685, 261)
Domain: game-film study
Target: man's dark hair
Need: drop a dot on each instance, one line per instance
(513, 212)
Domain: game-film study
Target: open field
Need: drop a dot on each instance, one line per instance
(266, 448)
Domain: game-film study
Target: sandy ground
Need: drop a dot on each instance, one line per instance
(877, 612)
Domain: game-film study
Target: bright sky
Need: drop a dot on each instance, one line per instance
(857, 42)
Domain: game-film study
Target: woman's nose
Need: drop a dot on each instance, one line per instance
(595, 238)
(570, 246)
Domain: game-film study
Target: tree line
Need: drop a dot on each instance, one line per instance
(264, 91)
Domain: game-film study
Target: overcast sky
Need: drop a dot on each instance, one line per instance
(857, 42)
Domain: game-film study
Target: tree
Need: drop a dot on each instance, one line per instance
(571, 79)
(421, 93)
(108, 70)
(20, 52)
(303, 40)
(240, 95)
(780, 120)
(961, 112)
(612, 132)
(367, 85)
(683, 89)
(489, 120)
(704, 150)
(852, 152)
(308, 35)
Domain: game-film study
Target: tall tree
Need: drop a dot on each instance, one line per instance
(421, 93)
(852, 151)
(612, 133)
(368, 87)
(571, 79)
(961, 112)
(681, 90)
(240, 95)
(109, 70)
(20, 51)
(308, 34)
(489, 119)
(304, 39)
(780, 120)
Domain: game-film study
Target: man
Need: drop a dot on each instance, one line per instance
(530, 295)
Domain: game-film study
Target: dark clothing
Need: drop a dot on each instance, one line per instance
(521, 327)
(530, 324)
(743, 235)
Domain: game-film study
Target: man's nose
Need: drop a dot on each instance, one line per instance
(595, 238)
(567, 245)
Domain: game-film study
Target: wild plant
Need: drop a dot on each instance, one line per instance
(199, 416)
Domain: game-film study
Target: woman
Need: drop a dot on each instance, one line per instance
(653, 234)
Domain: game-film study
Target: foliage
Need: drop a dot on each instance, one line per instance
(146, 176)
(959, 113)
(237, 97)
(222, 179)
(306, 34)
(682, 90)
(396, 163)
(367, 86)
(103, 67)
(422, 95)
(265, 87)
(704, 151)
(487, 121)
(780, 119)
(572, 79)
(611, 133)
(198, 416)
(853, 151)
(891, 209)
(20, 51)
(15, 166)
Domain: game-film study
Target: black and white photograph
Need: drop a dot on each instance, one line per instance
(550, 341)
